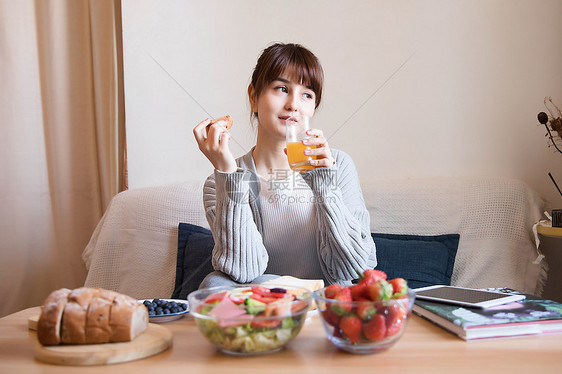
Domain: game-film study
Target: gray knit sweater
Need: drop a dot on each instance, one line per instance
(235, 215)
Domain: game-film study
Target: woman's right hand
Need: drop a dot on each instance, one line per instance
(214, 145)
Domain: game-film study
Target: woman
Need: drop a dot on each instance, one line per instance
(268, 220)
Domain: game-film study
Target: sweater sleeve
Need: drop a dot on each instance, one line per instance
(239, 250)
(346, 246)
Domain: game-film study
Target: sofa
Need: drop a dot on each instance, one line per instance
(137, 246)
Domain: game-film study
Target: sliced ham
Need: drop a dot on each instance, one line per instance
(227, 309)
(230, 314)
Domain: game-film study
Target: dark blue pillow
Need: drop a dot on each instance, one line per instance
(195, 247)
(421, 260)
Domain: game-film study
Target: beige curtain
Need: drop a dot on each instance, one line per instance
(61, 139)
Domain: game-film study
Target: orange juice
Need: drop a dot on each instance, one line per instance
(298, 161)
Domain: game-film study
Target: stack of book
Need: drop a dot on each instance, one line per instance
(530, 316)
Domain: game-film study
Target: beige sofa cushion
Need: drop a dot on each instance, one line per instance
(134, 247)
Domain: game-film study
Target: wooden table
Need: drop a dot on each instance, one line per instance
(424, 348)
(545, 228)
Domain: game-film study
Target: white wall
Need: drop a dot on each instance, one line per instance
(412, 89)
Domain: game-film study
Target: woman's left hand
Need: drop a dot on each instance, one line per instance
(322, 150)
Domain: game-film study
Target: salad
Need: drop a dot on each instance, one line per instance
(249, 319)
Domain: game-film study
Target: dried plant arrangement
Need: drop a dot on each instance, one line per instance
(553, 123)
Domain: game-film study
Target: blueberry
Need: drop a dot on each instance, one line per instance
(278, 290)
(147, 303)
(166, 311)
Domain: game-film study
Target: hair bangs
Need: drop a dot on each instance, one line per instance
(303, 73)
(293, 60)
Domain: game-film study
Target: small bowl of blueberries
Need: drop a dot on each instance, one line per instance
(165, 310)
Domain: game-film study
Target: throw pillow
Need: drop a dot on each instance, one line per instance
(195, 247)
(421, 260)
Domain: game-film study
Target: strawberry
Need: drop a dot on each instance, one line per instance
(357, 291)
(351, 326)
(373, 274)
(380, 290)
(399, 287)
(394, 319)
(343, 304)
(331, 291)
(395, 311)
(394, 327)
(330, 317)
(366, 310)
(375, 329)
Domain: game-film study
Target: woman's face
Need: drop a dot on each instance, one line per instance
(282, 98)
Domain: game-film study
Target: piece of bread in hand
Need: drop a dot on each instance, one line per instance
(90, 316)
(227, 119)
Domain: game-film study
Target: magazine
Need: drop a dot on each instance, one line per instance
(530, 316)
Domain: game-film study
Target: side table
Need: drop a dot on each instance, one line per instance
(551, 246)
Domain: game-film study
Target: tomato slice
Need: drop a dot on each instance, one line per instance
(263, 291)
(215, 297)
(263, 299)
(277, 295)
(266, 323)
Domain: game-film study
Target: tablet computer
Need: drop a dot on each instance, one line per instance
(469, 297)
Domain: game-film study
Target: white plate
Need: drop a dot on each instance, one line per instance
(167, 317)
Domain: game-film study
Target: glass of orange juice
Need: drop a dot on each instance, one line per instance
(296, 128)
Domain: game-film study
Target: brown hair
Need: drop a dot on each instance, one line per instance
(295, 58)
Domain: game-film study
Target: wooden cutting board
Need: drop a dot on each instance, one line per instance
(154, 340)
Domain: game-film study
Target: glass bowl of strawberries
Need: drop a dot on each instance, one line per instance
(367, 317)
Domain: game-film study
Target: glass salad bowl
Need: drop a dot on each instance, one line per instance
(364, 326)
(250, 319)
